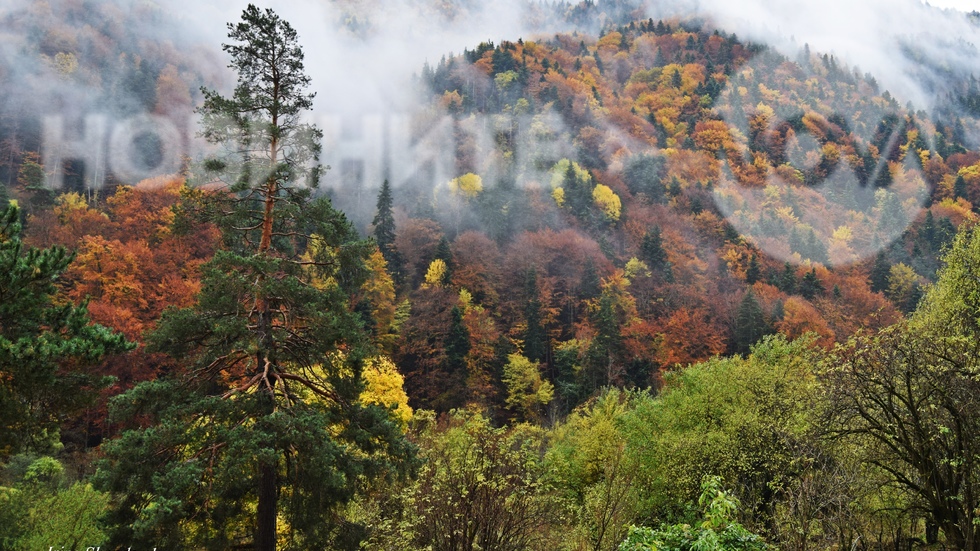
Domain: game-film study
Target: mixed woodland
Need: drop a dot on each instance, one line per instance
(645, 315)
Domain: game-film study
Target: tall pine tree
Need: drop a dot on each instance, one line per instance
(653, 254)
(457, 341)
(264, 422)
(384, 232)
(753, 273)
(879, 273)
(787, 280)
(535, 339)
(959, 187)
(811, 287)
(750, 323)
(590, 285)
(445, 253)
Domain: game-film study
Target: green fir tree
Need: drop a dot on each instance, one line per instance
(45, 344)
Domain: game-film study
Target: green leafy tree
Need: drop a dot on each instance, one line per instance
(527, 391)
(44, 343)
(264, 422)
(68, 518)
(41, 509)
(908, 397)
(754, 421)
(903, 287)
(479, 488)
(593, 463)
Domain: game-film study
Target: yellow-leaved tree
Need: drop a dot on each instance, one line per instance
(468, 185)
(607, 200)
(384, 385)
(379, 292)
(527, 391)
(436, 274)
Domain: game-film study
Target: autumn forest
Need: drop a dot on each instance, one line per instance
(638, 285)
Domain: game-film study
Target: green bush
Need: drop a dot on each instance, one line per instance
(717, 531)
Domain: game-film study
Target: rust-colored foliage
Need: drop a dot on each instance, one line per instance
(690, 336)
(130, 265)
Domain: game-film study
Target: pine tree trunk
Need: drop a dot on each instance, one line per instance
(265, 535)
(268, 492)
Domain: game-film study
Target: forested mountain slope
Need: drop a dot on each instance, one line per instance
(657, 195)
(639, 274)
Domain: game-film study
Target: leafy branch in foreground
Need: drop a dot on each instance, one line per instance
(718, 530)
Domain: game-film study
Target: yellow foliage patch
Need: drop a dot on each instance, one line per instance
(607, 200)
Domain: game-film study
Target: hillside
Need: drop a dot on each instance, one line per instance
(661, 194)
(634, 285)
(72, 61)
